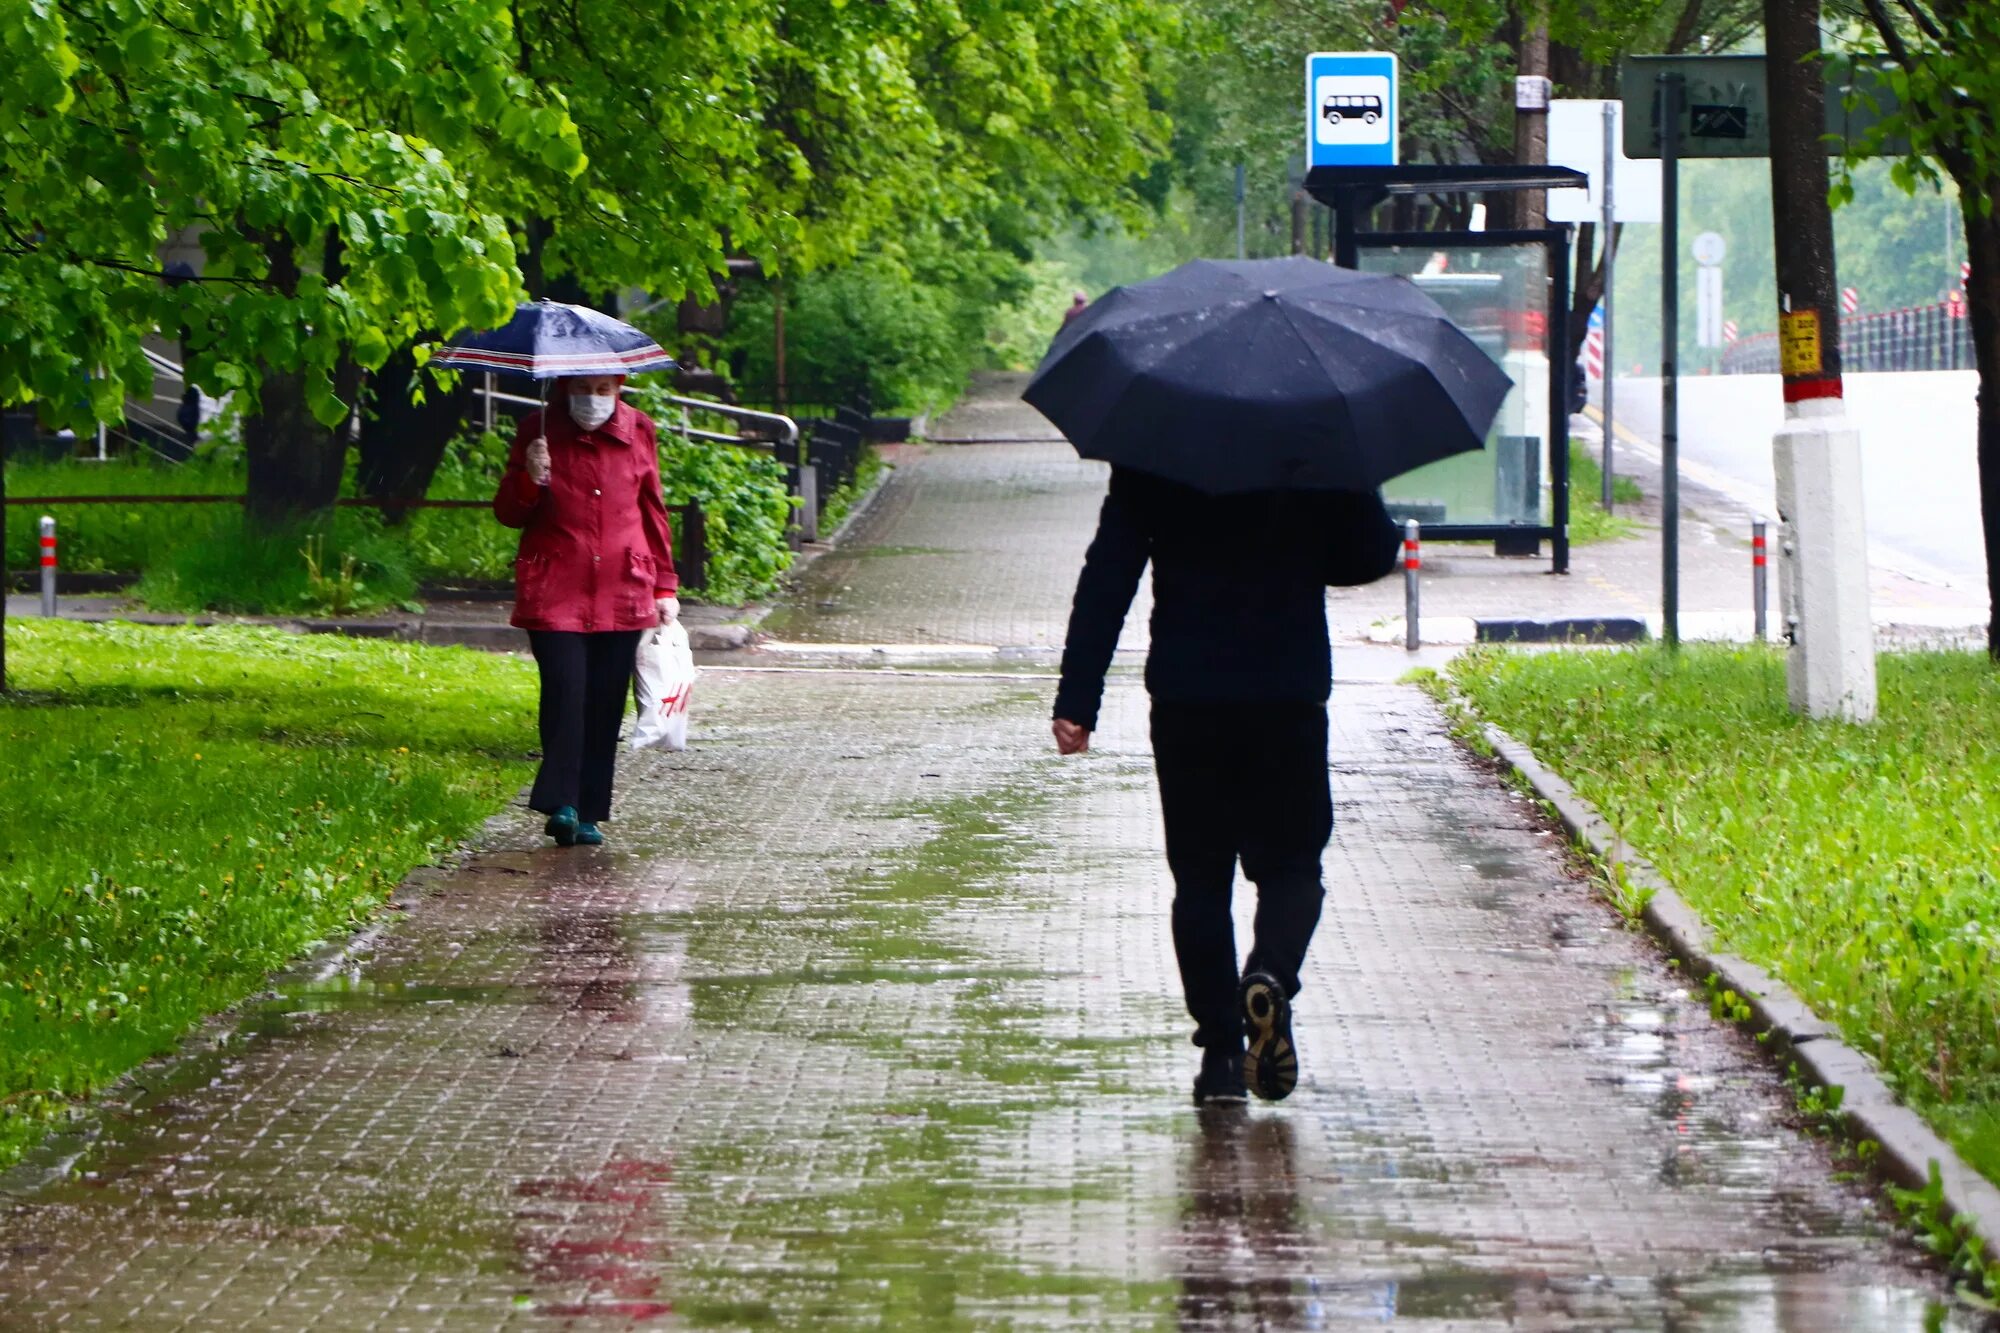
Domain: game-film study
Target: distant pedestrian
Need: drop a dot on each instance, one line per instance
(1078, 303)
(596, 569)
(1239, 672)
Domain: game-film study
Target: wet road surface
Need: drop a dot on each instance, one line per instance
(867, 1017)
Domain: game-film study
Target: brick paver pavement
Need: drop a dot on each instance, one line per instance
(868, 1017)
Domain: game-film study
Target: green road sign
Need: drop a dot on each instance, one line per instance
(1726, 109)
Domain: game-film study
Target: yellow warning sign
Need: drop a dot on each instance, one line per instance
(1798, 343)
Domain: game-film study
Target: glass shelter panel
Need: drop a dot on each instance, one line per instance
(1499, 295)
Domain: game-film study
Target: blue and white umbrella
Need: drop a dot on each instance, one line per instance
(548, 339)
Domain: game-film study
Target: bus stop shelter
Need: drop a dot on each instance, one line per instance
(1510, 291)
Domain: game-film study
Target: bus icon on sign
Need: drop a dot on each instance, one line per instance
(1340, 107)
(1352, 110)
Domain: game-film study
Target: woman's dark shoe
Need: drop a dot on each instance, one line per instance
(1220, 1082)
(562, 826)
(589, 835)
(1270, 1064)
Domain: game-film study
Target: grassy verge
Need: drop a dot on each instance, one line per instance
(189, 809)
(1587, 520)
(1861, 864)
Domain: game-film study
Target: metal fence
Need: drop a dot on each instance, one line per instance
(1925, 337)
(690, 523)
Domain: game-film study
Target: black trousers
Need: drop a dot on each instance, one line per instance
(1241, 782)
(586, 679)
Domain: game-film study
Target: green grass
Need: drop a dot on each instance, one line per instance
(1861, 864)
(1587, 520)
(188, 809)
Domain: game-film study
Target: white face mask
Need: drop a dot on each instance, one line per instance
(591, 410)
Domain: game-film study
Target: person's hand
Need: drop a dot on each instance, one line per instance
(537, 461)
(1071, 738)
(670, 609)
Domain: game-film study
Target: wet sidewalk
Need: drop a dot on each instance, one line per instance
(868, 1017)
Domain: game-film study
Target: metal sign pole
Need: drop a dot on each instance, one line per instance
(1610, 286)
(1671, 89)
(1239, 210)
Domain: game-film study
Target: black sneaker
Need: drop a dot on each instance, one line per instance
(1270, 1064)
(1220, 1082)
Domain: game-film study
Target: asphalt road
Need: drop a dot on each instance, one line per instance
(1917, 442)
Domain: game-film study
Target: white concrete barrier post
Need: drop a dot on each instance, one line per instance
(1823, 563)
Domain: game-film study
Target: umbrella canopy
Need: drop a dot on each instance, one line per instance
(547, 339)
(1268, 374)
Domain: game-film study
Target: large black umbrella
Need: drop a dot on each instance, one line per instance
(1268, 374)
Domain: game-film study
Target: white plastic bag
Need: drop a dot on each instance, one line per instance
(663, 678)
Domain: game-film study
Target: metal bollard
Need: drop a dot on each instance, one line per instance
(1759, 573)
(1412, 561)
(48, 565)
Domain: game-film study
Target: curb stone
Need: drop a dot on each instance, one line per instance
(1574, 629)
(1871, 1110)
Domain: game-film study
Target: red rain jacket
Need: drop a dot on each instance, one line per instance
(596, 550)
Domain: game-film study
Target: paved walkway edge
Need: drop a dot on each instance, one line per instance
(1871, 1111)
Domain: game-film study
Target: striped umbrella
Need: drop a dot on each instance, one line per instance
(549, 339)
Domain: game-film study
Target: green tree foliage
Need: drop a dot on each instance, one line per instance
(305, 146)
(929, 147)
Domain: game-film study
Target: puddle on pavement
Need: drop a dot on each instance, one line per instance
(970, 1159)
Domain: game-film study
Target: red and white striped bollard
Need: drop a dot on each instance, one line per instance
(1759, 562)
(1412, 561)
(48, 565)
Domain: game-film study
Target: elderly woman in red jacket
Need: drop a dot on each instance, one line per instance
(595, 571)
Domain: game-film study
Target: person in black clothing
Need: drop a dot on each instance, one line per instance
(1239, 672)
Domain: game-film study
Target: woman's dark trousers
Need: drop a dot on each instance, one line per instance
(586, 679)
(1248, 782)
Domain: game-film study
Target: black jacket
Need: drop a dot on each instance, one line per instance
(1239, 590)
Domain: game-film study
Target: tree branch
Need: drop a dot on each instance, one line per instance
(1892, 39)
(1925, 24)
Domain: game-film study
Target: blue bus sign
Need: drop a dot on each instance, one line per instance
(1351, 109)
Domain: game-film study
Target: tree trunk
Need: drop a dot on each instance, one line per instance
(403, 441)
(1801, 216)
(1531, 128)
(1982, 247)
(294, 463)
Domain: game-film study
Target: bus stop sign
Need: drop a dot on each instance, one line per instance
(1351, 106)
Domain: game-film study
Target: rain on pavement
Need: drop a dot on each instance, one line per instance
(868, 1017)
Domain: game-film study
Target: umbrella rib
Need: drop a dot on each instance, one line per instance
(1346, 412)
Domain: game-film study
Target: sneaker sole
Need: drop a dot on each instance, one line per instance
(1270, 1064)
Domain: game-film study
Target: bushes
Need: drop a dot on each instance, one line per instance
(343, 563)
(867, 325)
(198, 557)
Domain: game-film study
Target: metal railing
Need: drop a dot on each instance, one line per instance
(802, 481)
(1923, 337)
